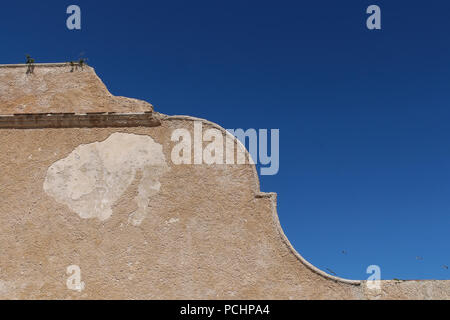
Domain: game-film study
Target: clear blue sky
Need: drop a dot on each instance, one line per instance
(363, 115)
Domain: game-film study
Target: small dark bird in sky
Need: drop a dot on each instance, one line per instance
(419, 258)
(445, 267)
(344, 252)
(331, 271)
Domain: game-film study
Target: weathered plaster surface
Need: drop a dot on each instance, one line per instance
(110, 201)
(59, 88)
(93, 177)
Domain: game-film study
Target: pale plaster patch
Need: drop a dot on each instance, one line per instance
(172, 220)
(94, 176)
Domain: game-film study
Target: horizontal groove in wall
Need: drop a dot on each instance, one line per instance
(72, 120)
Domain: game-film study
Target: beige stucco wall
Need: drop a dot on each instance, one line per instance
(59, 87)
(111, 201)
(208, 234)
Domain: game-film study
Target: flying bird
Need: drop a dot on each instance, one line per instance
(344, 252)
(445, 267)
(419, 258)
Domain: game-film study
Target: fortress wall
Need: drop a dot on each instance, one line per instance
(207, 234)
(110, 200)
